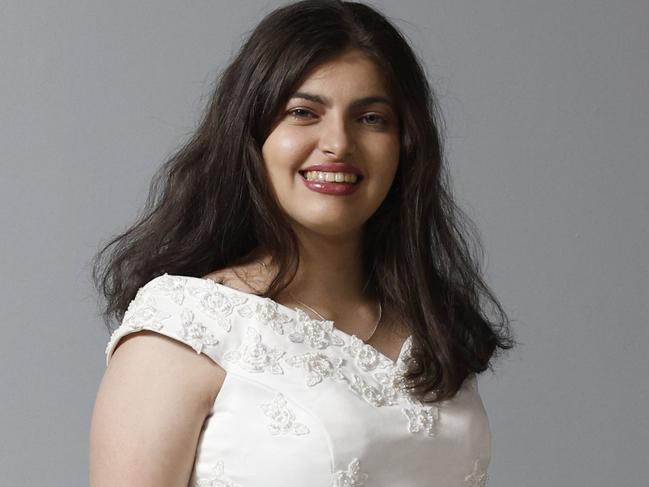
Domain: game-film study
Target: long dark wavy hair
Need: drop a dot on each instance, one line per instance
(211, 206)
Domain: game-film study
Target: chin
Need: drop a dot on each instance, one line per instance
(331, 228)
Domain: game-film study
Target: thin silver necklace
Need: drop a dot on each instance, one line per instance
(323, 318)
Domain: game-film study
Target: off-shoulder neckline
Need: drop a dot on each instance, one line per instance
(293, 312)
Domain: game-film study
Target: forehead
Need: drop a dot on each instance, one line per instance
(351, 73)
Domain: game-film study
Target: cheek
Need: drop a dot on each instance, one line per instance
(284, 148)
(385, 156)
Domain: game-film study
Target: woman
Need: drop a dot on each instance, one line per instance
(299, 304)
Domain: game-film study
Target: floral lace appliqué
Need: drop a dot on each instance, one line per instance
(268, 313)
(350, 477)
(318, 366)
(194, 332)
(143, 313)
(371, 394)
(366, 356)
(315, 333)
(254, 356)
(392, 383)
(216, 303)
(477, 478)
(389, 386)
(282, 418)
(172, 286)
(217, 478)
(422, 419)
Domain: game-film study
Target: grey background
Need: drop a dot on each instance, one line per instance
(547, 106)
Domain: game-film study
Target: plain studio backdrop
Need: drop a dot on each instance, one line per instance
(547, 112)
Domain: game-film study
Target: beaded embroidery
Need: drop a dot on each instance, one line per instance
(477, 478)
(267, 312)
(217, 478)
(368, 373)
(215, 303)
(282, 418)
(194, 332)
(143, 313)
(318, 366)
(422, 419)
(350, 477)
(172, 287)
(254, 356)
(365, 356)
(374, 396)
(315, 333)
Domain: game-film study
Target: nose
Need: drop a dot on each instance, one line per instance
(336, 138)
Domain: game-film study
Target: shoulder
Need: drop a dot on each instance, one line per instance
(201, 313)
(181, 324)
(247, 278)
(175, 327)
(211, 318)
(155, 359)
(151, 403)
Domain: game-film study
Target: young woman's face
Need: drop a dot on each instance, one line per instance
(341, 115)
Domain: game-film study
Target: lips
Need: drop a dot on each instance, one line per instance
(331, 187)
(333, 167)
(358, 179)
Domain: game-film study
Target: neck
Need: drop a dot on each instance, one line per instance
(330, 276)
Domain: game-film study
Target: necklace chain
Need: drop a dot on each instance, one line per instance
(323, 318)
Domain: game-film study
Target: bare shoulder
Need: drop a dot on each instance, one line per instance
(152, 402)
(150, 352)
(247, 278)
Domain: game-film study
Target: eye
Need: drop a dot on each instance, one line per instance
(300, 113)
(375, 119)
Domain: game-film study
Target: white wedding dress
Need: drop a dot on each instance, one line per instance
(305, 404)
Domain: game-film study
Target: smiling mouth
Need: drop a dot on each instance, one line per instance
(331, 177)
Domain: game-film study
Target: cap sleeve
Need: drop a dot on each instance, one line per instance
(183, 308)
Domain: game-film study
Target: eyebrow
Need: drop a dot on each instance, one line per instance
(359, 102)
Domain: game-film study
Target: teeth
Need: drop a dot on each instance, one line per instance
(331, 177)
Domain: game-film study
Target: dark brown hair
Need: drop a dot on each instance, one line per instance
(210, 205)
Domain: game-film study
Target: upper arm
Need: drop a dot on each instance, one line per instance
(149, 411)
